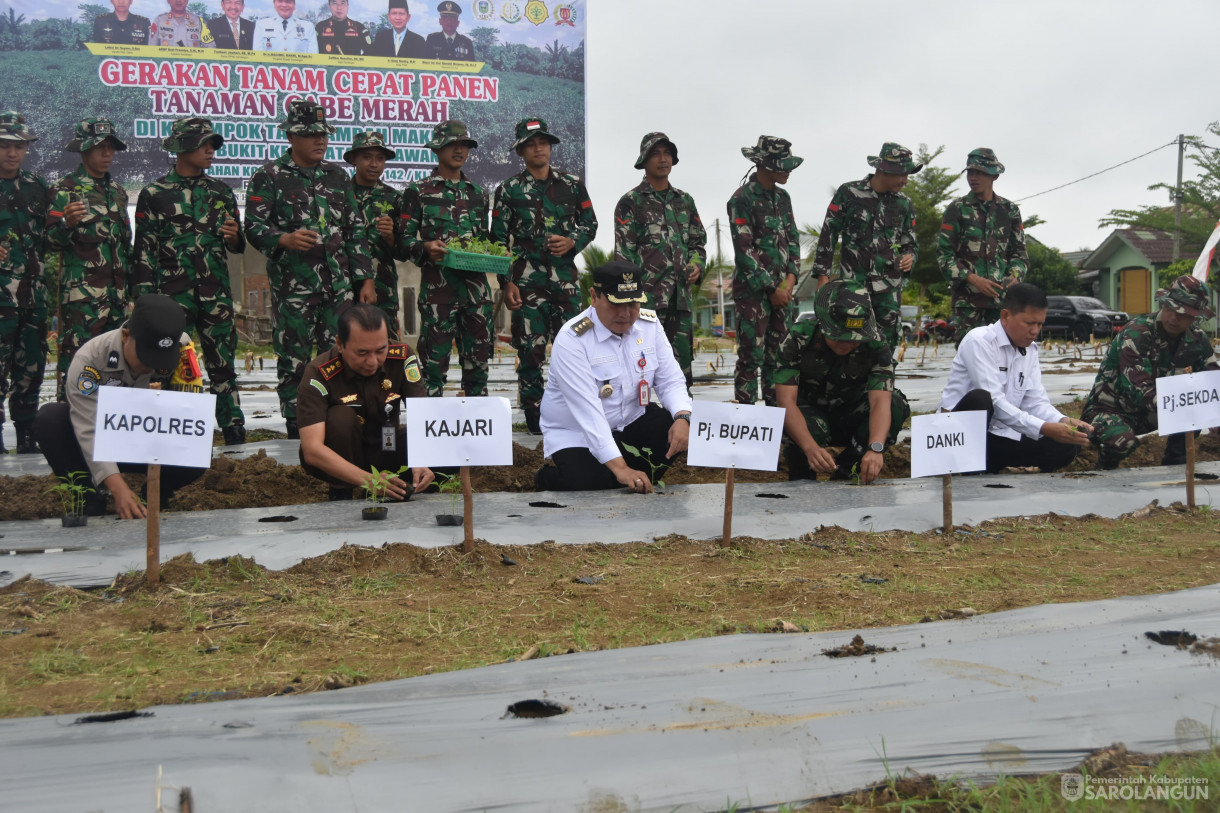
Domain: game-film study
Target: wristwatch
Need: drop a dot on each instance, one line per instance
(877, 447)
(682, 416)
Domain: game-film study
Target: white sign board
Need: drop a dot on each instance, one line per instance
(735, 436)
(154, 426)
(459, 432)
(1188, 402)
(948, 443)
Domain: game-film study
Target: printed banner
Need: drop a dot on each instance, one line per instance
(154, 426)
(948, 443)
(372, 64)
(459, 432)
(1185, 403)
(735, 436)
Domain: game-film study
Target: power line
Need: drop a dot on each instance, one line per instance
(1099, 172)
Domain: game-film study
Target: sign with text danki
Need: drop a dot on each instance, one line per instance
(154, 426)
(735, 436)
(948, 443)
(1185, 403)
(459, 431)
(66, 61)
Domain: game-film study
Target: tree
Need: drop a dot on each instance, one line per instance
(484, 37)
(929, 191)
(91, 11)
(200, 10)
(1050, 271)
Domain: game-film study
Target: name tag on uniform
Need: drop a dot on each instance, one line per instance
(389, 439)
(645, 393)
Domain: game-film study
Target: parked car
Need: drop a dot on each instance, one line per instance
(1081, 317)
(909, 314)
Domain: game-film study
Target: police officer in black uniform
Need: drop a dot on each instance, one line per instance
(120, 26)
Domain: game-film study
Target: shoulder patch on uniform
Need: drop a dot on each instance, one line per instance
(583, 326)
(331, 368)
(397, 351)
(88, 381)
(319, 386)
(411, 369)
(648, 314)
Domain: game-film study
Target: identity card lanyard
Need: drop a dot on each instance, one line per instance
(645, 392)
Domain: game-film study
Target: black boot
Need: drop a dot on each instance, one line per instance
(293, 432)
(25, 441)
(235, 435)
(1175, 450)
(533, 417)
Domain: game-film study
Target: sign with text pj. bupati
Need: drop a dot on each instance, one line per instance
(459, 432)
(401, 74)
(735, 436)
(1188, 402)
(948, 443)
(154, 426)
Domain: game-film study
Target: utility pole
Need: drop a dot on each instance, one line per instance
(1177, 202)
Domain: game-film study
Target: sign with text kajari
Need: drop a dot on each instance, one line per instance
(491, 64)
(735, 436)
(948, 443)
(459, 431)
(154, 426)
(1185, 403)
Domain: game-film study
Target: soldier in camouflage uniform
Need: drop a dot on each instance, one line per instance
(835, 382)
(186, 226)
(1122, 403)
(453, 304)
(657, 227)
(981, 246)
(379, 204)
(877, 224)
(88, 227)
(301, 214)
(548, 217)
(768, 255)
(23, 294)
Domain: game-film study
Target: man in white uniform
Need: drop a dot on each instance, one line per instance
(285, 32)
(606, 364)
(996, 369)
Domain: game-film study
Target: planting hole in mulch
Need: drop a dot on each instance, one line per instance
(855, 649)
(535, 708)
(279, 518)
(1178, 638)
(111, 717)
(772, 496)
(545, 504)
(996, 485)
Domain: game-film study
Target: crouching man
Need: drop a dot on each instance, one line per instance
(835, 382)
(605, 365)
(147, 347)
(350, 403)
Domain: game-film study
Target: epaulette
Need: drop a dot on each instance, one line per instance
(397, 351)
(583, 326)
(648, 314)
(331, 368)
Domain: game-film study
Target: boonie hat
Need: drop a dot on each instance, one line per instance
(983, 159)
(845, 313)
(368, 140)
(894, 159)
(772, 153)
(13, 127)
(1188, 296)
(651, 140)
(156, 325)
(450, 132)
(620, 281)
(306, 117)
(528, 128)
(88, 133)
(188, 135)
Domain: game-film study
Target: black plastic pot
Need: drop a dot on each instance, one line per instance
(74, 520)
(376, 512)
(448, 519)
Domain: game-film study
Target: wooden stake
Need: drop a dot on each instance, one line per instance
(946, 491)
(467, 511)
(727, 533)
(1190, 469)
(152, 568)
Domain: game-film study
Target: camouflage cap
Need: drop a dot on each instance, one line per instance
(88, 133)
(528, 128)
(368, 140)
(774, 154)
(620, 281)
(894, 159)
(449, 7)
(651, 140)
(13, 127)
(188, 135)
(1188, 296)
(449, 132)
(983, 159)
(306, 117)
(845, 313)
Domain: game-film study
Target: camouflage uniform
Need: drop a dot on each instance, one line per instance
(23, 293)
(660, 231)
(373, 202)
(1122, 403)
(453, 304)
(832, 390)
(877, 230)
(981, 237)
(306, 287)
(180, 252)
(767, 248)
(94, 256)
(526, 210)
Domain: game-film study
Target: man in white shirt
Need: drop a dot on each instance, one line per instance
(996, 369)
(286, 31)
(599, 426)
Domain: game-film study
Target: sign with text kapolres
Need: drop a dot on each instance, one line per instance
(154, 426)
(459, 432)
(735, 436)
(948, 443)
(1188, 402)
